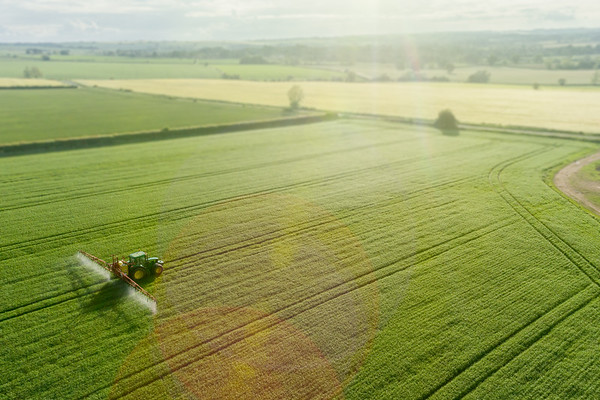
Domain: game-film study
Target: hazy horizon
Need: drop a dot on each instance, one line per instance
(237, 20)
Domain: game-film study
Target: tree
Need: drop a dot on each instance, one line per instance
(446, 121)
(250, 59)
(493, 60)
(596, 78)
(33, 73)
(562, 81)
(479, 77)
(295, 95)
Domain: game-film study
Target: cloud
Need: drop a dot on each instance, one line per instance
(67, 20)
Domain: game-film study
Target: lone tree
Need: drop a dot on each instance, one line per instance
(479, 77)
(596, 78)
(295, 95)
(33, 72)
(446, 121)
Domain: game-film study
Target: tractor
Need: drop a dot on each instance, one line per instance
(141, 266)
(137, 268)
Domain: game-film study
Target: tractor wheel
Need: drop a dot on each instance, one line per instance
(138, 273)
(158, 269)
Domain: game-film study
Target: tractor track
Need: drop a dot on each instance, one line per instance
(240, 245)
(550, 236)
(314, 301)
(168, 181)
(579, 260)
(59, 171)
(256, 244)
(530, 341)
(59, 299)
(304, 226)
(533, 340)
(450, 247)
(207, 174)
(113, 226)
(407, 196)
(251, 335)
(414, 256)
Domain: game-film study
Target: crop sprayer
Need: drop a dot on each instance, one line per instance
(137, 268)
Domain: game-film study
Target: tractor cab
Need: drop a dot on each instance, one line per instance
(138, 258)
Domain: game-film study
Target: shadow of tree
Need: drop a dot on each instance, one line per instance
(450, 132)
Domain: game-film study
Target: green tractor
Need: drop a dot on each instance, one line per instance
(141, 266)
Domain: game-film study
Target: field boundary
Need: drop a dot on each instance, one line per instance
(147, 136)
(38, 87)
(508, 129)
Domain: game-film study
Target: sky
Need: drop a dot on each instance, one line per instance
(238, 20)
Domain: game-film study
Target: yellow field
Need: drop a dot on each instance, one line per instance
(570, 109)
(16, 82)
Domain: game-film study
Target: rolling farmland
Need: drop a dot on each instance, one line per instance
(498, 75)
(351, 258)
(139, 69)
(570, 109)
(68, 113)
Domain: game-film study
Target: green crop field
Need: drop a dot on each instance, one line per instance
(42, 114)
(196, 69)
(356, 259)
(550, 108)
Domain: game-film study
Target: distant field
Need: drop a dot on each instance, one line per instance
(569, 109)
(66, 70)
(278, 72)
(351, 258)
(123, 59)
(499, 75)
(27, 83)
(41, 114)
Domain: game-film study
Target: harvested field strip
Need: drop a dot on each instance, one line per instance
(520, 106)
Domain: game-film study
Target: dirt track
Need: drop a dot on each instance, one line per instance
(567, 181)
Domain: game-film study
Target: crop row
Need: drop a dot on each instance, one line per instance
(367, 257)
